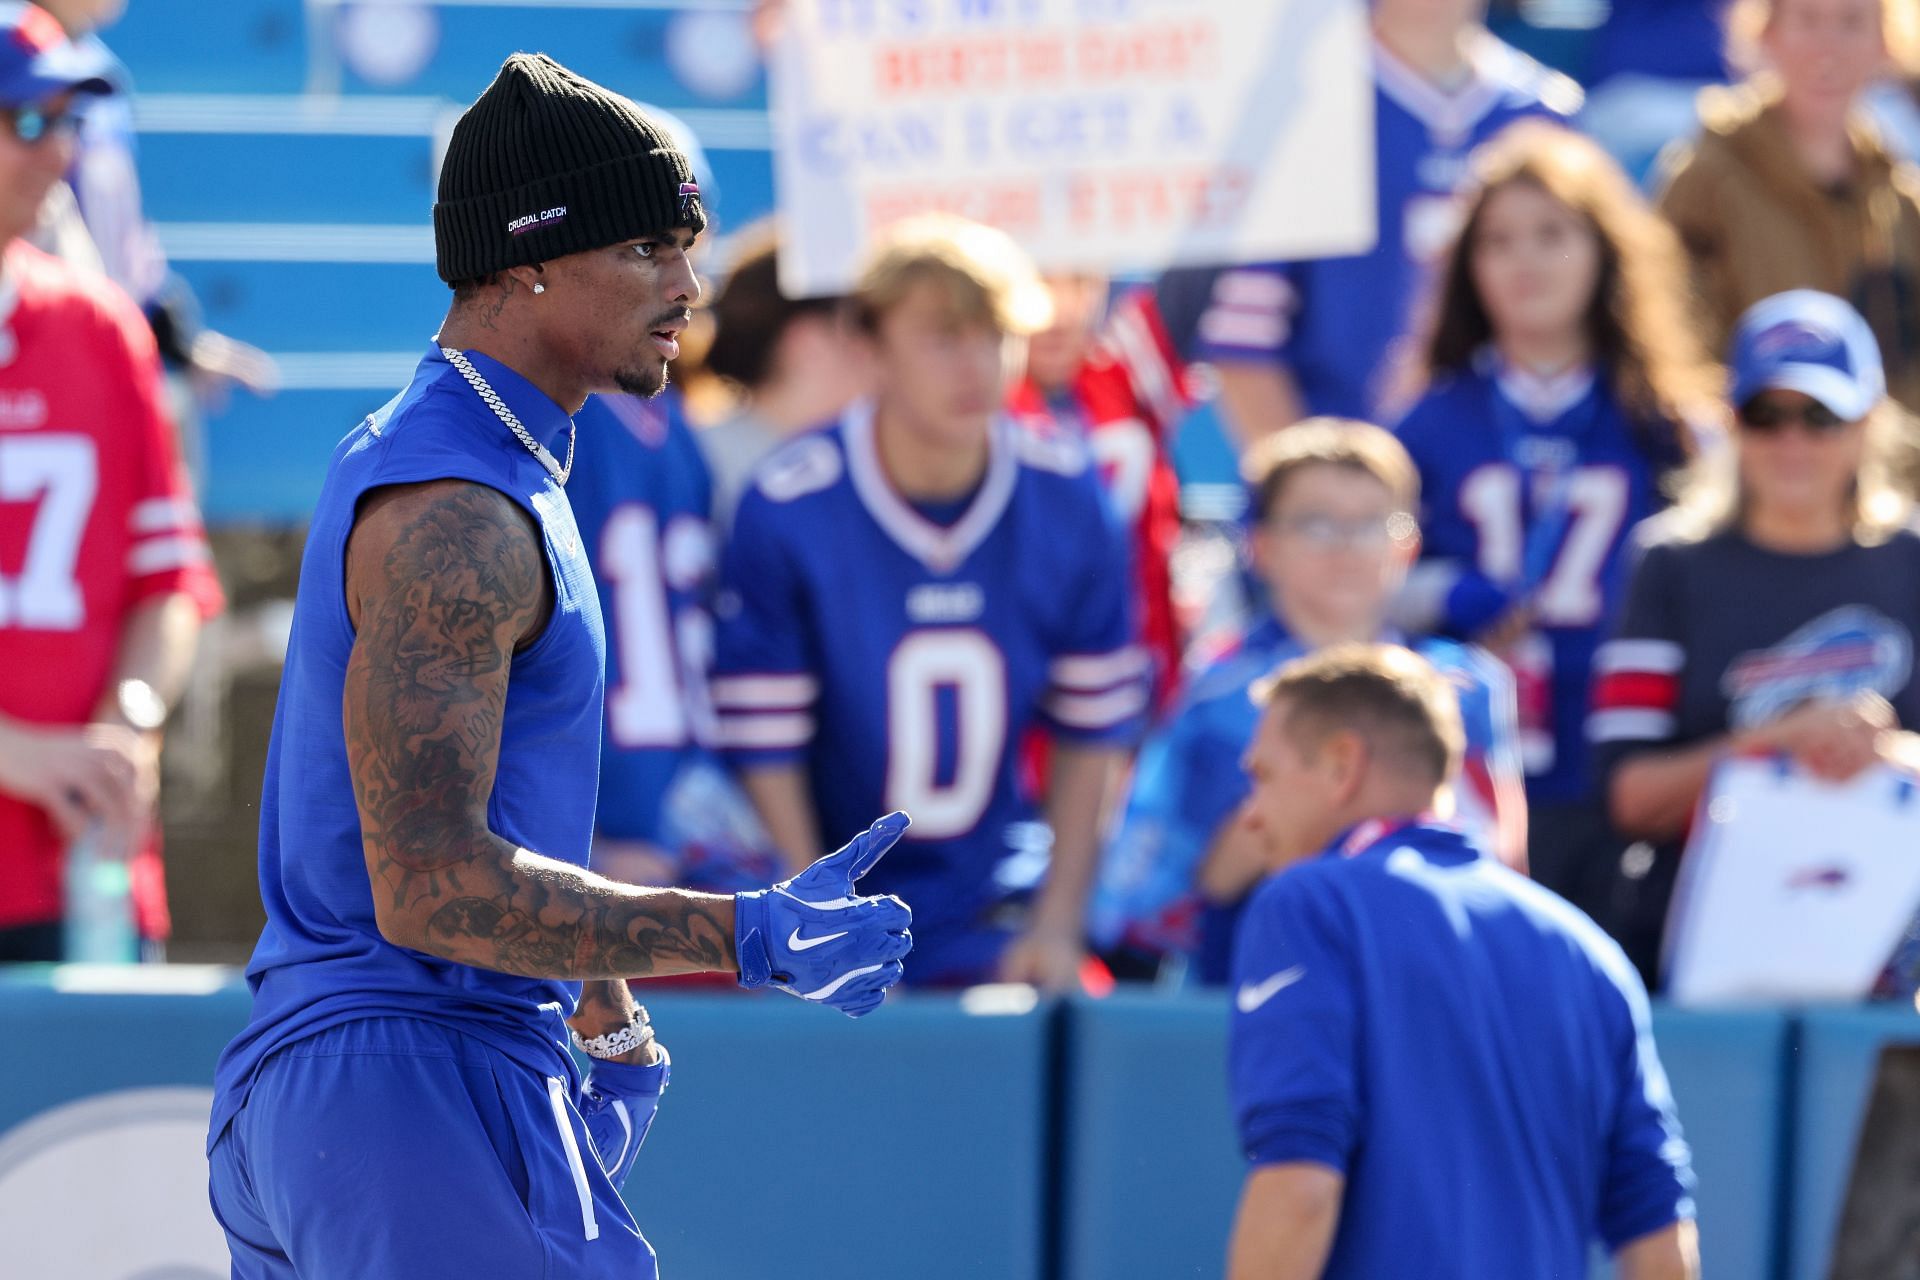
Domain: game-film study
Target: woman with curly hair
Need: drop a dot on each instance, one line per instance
(1556, 376)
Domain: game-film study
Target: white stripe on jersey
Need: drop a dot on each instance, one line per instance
(157, 554)
(1226, 326)
(1630, 724)
(768, 732)
(1094, 672)
(763, 693)
(1656, 657)
(158, 515)
(1097, 710)
(1253, 291)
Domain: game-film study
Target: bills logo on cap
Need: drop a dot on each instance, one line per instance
(689, 200)
(38, 30)
(1797, 339)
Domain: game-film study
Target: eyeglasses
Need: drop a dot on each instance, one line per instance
(33, 125)
(1766, 417)
(1326, 533)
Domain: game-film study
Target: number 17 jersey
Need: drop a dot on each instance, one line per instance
(902, 659)
(96, 519)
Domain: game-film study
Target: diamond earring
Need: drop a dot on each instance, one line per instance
(539, 288)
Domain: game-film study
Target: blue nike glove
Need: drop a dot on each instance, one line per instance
(811, 936)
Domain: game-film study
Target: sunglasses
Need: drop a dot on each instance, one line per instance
(1768, 417)
(33, 125)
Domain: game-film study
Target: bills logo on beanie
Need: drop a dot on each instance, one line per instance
(546, 163)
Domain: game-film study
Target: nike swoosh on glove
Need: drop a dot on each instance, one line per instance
(814, 938)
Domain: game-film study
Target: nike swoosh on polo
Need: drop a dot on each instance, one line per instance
(797, 943)
(1254, 994)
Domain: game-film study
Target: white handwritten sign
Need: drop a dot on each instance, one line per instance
(1108, 135)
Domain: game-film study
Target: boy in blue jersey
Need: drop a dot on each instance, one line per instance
(402, 1101)
(669, 811)
(1333, 537)
(1438, 1068)
(1297, 339)
(976, 593)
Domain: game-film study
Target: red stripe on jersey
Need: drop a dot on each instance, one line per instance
(1640, 689)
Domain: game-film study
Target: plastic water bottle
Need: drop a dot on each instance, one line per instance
(99, 903)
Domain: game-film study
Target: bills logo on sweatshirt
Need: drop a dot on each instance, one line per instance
(1849, 650)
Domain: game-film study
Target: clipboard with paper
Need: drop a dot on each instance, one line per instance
(1792, 888)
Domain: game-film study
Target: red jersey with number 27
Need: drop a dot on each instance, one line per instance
(95, 517)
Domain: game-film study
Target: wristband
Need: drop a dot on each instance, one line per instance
(750, 932)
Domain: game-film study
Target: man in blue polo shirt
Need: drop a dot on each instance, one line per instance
(1439, 1069)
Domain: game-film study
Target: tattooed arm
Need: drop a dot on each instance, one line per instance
(445, 581)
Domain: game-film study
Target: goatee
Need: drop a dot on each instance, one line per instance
(645, 383)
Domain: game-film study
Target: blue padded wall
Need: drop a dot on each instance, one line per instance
(1839, 1051)
(1154, 1171)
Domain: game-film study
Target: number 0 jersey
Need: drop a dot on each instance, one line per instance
(96, 518)
(902, 661)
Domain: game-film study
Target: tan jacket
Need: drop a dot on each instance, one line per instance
(1755, 224)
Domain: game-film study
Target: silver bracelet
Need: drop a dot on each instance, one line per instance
(615, 1043)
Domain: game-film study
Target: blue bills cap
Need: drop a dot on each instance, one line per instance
(37, 60)
(1812, 343)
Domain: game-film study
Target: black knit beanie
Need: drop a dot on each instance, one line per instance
(547, 163)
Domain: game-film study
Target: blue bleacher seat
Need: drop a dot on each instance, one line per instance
(322, 306)
(265, 458)
(271, 177)
(238, 46)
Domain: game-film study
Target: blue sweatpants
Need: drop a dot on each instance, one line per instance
(395, 1149)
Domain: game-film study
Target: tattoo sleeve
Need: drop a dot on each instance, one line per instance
(445, 580)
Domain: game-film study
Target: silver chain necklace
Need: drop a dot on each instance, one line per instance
(558, 470)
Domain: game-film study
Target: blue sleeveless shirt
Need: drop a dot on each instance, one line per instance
(321, 959)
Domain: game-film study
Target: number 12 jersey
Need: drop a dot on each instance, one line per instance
(902, 658)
